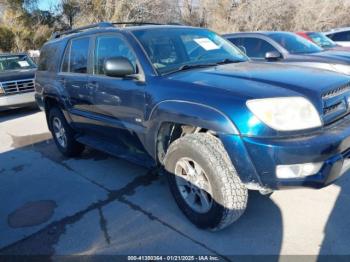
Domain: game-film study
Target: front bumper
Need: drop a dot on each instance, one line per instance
(256, 158)
(18, 100)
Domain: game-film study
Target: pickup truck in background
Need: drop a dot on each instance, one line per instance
(16, 81)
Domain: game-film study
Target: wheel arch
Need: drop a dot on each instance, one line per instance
(53, 101)
(171, 119)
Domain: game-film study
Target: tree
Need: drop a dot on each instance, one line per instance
(31, 27)
(6, 39)
(70, 9)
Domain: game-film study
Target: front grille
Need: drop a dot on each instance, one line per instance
(335, 103)
(332, 108)
(19, 86)
(336, 92)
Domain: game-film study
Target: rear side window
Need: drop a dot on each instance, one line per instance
(76, 56)
(256, 48)
(50, 56)
(43, 59)
(341, 36)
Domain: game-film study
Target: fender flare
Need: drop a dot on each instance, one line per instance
(186, 113)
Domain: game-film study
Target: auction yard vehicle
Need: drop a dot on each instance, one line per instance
(16, 81)
(340, 35)
(286, 47)
(323, 41)
(186, 99)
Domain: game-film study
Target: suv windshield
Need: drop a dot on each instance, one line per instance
(322, 40)
(295, 44)
(170, 49)
(16, 62)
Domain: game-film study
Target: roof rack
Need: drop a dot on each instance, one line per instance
(79, 29)
(135, 23)
(101, 25)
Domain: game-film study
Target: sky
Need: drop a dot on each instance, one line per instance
(46, 4)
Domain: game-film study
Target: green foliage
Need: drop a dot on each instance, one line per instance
(7, 39)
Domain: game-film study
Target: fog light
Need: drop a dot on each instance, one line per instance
(298, 170)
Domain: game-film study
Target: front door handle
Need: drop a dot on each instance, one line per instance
(92, 85)
(62, 80)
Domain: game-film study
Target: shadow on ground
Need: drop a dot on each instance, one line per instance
(337, 230)
(131, 214)
(18, 112)
(105, 205)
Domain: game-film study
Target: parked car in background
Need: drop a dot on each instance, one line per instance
(286, 47)
(16, 81)
(34, 55)
(340, 35)
(185, 99)
(323, 41)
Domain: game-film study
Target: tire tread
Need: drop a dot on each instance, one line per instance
(234, 192)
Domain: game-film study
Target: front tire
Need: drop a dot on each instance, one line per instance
(63, 134)
(204, 182)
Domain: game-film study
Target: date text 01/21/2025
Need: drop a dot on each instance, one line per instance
(173, 258)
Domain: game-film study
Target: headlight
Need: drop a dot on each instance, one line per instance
(1, 90)
(285, 113)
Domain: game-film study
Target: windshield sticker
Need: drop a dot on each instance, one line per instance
(206, 43)
(23, 63)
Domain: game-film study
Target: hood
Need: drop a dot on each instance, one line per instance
(331, 56)
(14, 75)
(257, 80)
(339, 48)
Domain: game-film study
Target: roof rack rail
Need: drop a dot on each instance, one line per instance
(135, 23)
(56, 35)
(144, 23)
(79, 29)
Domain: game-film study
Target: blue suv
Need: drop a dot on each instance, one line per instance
(186, 99)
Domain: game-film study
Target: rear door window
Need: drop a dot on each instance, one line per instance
(76, 56)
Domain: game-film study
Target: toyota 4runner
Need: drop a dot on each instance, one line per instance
(186, 99)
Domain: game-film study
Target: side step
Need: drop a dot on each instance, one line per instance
(116, 150)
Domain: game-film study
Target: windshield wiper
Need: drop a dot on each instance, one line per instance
(193, 66)
(190, 66)
(228, 61)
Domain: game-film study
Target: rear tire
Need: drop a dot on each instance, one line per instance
(63, 134)
(218, 188)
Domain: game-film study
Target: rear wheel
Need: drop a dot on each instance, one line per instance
(63, 134)
(204, 182)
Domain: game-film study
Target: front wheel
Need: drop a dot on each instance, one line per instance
(204, 182)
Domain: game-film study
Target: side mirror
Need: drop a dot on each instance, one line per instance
(273, 56)
(242, 48)
(118, 67)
